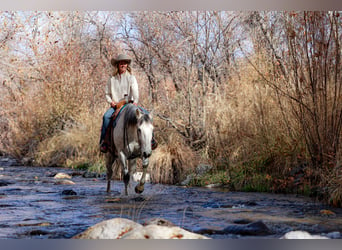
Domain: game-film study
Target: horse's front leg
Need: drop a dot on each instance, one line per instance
(132, 165)
(125, 172)
(140, 187)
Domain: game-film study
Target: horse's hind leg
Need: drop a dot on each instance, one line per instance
(109, 165)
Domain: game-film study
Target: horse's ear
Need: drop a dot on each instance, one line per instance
(151, 115)
(138, 114)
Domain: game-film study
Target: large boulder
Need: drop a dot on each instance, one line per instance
(120, 228)
(109, 229)
(161, 232)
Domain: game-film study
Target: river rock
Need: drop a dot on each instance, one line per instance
(161, 232)
(120, 228)
(69, 192)
(88, 174)
(62, 176)
(64, 182)
(257, 228)
(213, 185)
(302, 235)
(109, 229)
(334, 235)
(8, 162)
(5, 183)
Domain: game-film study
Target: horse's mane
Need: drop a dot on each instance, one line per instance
(130, 118)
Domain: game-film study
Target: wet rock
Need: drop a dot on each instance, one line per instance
(39, 224)
(7, 162)
(161, 232)
(242, 221)
(327, 213)
(37, 232)
(64, 182)
(120, 228)
(77, 173)
(257, 228)
(5, 183)
(109, 229)
(214, 185)
(301, 235)
(334, 235)
(88, 174)
(62, 176)
(250, 203)
(69, 192)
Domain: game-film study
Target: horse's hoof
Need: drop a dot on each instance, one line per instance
(139, 189)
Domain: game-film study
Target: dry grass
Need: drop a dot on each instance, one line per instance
(172, 161)
(76, 146)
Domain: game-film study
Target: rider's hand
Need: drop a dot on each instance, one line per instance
(113, 104)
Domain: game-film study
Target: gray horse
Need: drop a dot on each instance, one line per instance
(131, 138)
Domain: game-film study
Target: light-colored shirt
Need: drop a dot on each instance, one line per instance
(120, 85)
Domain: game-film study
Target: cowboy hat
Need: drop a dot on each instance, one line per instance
(121, 57)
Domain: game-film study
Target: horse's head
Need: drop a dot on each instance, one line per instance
(144, 132)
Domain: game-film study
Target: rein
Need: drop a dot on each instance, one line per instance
(126, 143)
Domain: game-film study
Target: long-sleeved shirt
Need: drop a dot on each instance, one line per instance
(120, 85)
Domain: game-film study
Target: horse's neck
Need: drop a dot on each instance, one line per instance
(132, 138)
(132, 133)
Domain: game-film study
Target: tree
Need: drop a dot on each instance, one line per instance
(305, 52)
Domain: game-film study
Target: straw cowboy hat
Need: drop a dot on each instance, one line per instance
(121, 57)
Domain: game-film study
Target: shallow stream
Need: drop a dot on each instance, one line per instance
(33, 204)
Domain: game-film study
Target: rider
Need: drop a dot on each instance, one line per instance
(120, 84)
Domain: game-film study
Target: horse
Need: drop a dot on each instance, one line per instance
(130, 138)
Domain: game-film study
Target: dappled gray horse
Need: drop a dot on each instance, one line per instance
(131, 138)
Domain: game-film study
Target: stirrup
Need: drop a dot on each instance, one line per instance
(104, 147)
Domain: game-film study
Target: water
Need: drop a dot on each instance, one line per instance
(33, 206)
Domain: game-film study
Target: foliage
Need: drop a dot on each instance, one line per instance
(255, 94)
(171, 161)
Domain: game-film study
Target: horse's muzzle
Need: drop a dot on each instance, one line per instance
(146, 154)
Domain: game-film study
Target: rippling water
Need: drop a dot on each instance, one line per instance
(32, 205)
